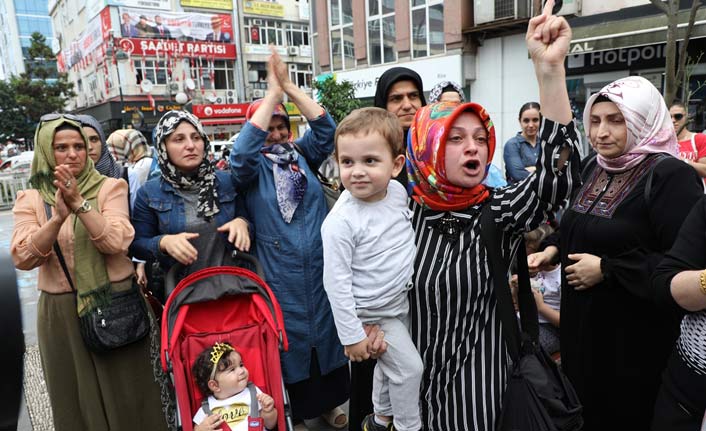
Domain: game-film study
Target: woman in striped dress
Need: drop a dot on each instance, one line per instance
(455, 323)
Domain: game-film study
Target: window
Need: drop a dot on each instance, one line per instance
(427, 28)
(381, 31)
(257, 75)
(300, 74)
(32, 7)
(263, 32)
(224, 75)
(342, 47)
(297, 34)
(155, 71)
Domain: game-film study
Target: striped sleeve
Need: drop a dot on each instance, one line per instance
(524, 206)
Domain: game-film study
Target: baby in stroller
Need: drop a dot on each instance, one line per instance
(222, 377)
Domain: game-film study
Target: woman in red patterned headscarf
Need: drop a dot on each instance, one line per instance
(454, 316)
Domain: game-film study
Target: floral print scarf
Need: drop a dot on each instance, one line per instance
(290, 179)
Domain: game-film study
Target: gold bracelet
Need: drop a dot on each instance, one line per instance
(702, 280)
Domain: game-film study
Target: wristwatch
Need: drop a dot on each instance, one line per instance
(84, 208)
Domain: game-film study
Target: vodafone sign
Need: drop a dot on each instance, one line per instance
(221, 111)
(152, 47)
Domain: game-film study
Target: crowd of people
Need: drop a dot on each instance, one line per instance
(388, 298)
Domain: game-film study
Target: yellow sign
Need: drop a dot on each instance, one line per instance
(292, 109)
(263, 8)
(210, 4)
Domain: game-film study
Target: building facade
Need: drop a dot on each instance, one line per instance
(134, 60)
(359, 40)
(610, 40)
(18, 20)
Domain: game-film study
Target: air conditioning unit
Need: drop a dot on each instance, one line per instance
(569, 7)
(292, 67)
(219, 100)
(258, 94)
(257, 22)
(231, 100)
(293, 50)
(489, 11)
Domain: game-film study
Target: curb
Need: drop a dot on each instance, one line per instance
(35, 391)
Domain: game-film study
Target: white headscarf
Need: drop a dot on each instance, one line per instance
(650, 128)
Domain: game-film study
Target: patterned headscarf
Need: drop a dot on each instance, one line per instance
(128, 146)
(426, 162)
(650, 128)
(203, 179)
(106, 164)
(438, 90)
(90, 275)
(290, 179)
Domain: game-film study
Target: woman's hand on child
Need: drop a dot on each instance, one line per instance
(179, 247)
(585, 273)
(542, 260)
(211, 423)
(358, 352)
(238, 233)
(267, 403)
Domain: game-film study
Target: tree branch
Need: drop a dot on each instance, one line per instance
(661, 6)
(685, 43)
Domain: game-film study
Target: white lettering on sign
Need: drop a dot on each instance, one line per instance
(628, 56)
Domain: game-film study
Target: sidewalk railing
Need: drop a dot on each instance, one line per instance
(9, 186)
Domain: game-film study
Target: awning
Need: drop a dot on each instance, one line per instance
(628, 33)
(219, 121)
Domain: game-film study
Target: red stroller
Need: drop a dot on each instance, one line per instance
(217, 304)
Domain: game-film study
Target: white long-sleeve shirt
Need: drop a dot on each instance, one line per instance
(368, 260)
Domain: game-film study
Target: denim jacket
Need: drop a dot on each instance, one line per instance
(291, 254)
(159, 211)
(519, 154)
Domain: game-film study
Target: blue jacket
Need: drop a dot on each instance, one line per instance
(519, 154)
(292, 253)
(159, 211)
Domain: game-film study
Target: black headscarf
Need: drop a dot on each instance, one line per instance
(386, 81)
(390, 77)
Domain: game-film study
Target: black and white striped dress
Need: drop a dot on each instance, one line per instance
(453, 307)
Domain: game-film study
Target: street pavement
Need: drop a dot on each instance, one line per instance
(35, 413)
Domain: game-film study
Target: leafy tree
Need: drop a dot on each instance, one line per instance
(338, 98)
(39, 90)
(675, 73)
(13, 122)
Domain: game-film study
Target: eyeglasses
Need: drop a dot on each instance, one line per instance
(678, 117)
(56, 115)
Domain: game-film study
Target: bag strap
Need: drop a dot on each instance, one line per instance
(254, 411)
(57, 250)
(648, 184)
(499, 268)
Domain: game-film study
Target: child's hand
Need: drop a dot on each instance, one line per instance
(267, 403)
(357, 352)
(211, 423)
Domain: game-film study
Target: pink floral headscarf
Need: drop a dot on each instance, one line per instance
(650, 128)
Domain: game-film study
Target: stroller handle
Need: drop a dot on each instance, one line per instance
(170, 280)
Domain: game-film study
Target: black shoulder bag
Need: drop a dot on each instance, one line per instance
(123, 321)
(538, 396)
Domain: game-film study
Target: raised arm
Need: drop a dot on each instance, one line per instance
(548, 38)
(306, 104)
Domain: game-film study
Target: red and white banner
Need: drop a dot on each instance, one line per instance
(150, 47)
(221, 111)
(97, 30)
(150, 24)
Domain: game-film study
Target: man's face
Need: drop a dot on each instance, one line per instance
(126, 18)
(403, 100)
(158, 20)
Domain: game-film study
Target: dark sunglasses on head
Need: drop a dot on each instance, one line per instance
(56, 115)
(677, 116)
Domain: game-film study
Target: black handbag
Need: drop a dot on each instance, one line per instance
(124, 320)
(538, 394)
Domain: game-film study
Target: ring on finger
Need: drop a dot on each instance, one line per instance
(67, 183)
